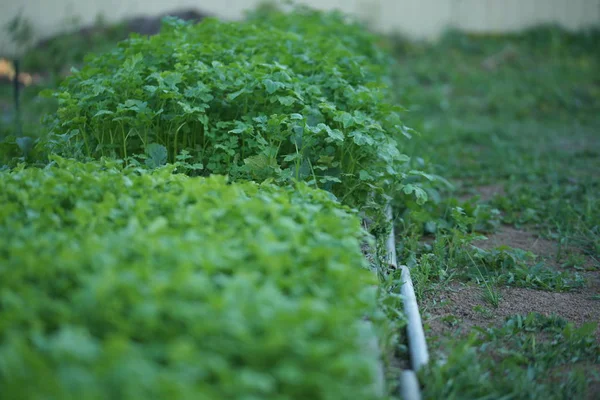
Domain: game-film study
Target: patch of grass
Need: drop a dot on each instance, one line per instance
(511, 267)
(528, 124)
(32, 108)
(575, 261)
(519, 113)
(451, 320)
(452, 255)
(491, 294)
(529, 357)
(429, 274)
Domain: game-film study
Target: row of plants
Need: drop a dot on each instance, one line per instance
(189, 227)
(122, 283)
(249, 99)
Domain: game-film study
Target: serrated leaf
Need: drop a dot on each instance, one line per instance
(257, 162)
(328, 178)
(286, 100)
(336, 134)
(346, 119)
(360, 138)
(419, 193)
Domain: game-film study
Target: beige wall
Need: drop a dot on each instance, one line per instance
(420, 18)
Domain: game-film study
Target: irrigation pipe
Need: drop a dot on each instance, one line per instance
(417, 346)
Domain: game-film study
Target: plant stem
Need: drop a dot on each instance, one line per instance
(17, 89)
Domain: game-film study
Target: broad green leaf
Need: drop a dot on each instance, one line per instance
(271, 86)
(157, 155)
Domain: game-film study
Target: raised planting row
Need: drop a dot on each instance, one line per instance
(119, 283)
(132, 267)
(244, 99)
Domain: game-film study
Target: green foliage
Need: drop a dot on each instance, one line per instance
(32, 109)
(243, 99)
(319, 25)
(453, 256)
(454, 253)
(524, 125)
(15, 150)
(524, 359)
(127, 284)
(567, 206)
(518, 112)
(515, 267)
(443, 213)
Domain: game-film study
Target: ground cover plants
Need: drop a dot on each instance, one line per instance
(512, 122)
(540, 357)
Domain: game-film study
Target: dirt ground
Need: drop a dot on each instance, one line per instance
(464, 302)
(461, 301)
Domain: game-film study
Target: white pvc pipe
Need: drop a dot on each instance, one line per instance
(409, 386)
(417, 345)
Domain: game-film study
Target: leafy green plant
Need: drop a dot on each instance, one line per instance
(319, 25)
(428, 273)
(484, 311)
(243, 99)
(127, 284)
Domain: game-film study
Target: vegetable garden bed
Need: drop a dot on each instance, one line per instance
(134, 269)
(121, 284)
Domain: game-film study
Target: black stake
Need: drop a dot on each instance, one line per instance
(16, 93)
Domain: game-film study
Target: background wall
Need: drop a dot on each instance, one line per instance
(418, 18)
